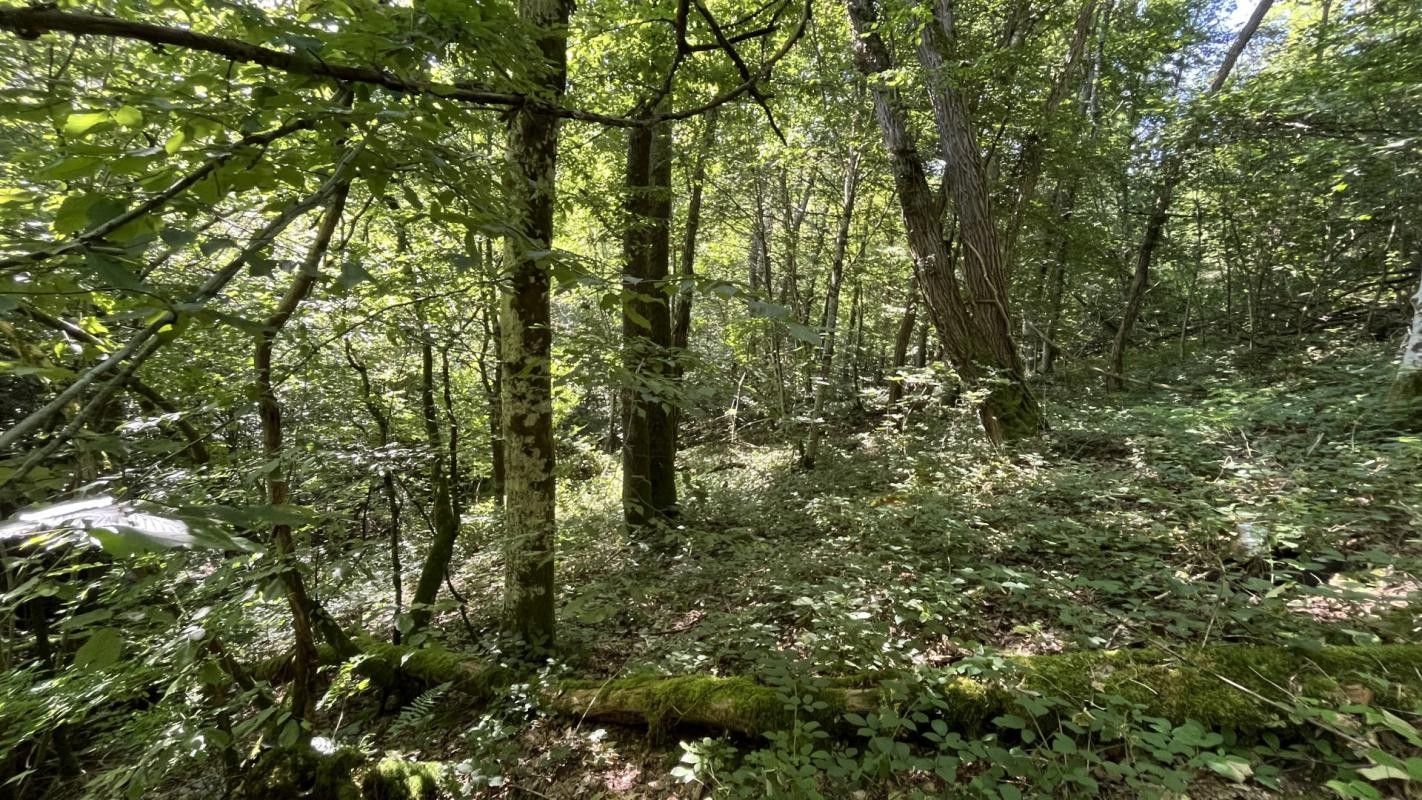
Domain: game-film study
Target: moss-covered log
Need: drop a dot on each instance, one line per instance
(1223, 686)
(1233, 687)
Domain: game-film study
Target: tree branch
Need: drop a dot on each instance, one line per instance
(33, 22)
(98, 232)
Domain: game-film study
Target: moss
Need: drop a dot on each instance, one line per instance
(1178, 686)
(394, 779)
(663, 703)
(282, 773)
(430, 666)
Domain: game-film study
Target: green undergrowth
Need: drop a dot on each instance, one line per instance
(1260, 524)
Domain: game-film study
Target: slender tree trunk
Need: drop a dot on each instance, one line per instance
(841, 246)
(278, 490)
(1172, 170)
(681, 319)
(493, 382)
(527, 341)
(1029, 168)
(901, 345)
(648, 448)
(1056, 282)
(456, 482)
(443, 517)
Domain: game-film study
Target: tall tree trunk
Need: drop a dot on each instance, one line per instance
(978, 341)
(1056, 281)
(648, 448)
(278, 490)
(445, 521)
(1172, 170)
(527, 340)
(836, 277)
(681, 318)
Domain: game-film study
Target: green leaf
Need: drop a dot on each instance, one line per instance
(111, 272)
(102, 649)
(79, 124)
(290, 732)
(129, 117)
(175, 141)
(1232, 767)
(1382, 772)
(68, 169)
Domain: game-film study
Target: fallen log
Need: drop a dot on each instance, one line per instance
(1228, 686)
(1244, 688)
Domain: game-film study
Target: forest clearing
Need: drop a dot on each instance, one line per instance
(405, 400)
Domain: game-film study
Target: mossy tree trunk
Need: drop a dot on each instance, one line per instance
(1239, 687)
(527, 411)
(1233, 687)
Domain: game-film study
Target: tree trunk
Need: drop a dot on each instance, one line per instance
(901, 345)
(1407, 387)
(681, 321)
(1029, 167)
(278, 490)
(1171, 171)
(836, 277)
(977, 341)
(456, 482)
(527, 339)
(445, 521)
(648, 448)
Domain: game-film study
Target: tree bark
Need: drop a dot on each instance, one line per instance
(648, 448)
(1029, 167)
(527, 341)
(686, 294)
(1407, 387)
(1172, 170)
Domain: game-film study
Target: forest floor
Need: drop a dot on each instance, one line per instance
(1272, 501)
